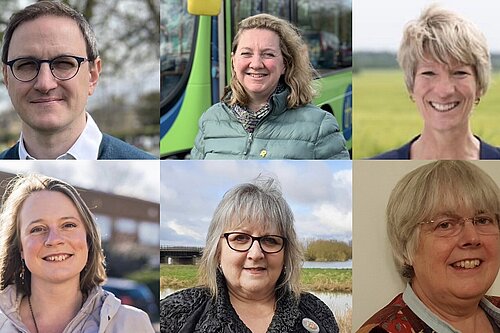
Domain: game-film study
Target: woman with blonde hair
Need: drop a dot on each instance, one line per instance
(52, 264)
(446, 64)
(266, 111)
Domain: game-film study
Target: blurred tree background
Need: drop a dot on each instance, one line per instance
(327, 250)
(126, 102)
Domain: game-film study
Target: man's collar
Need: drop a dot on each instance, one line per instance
(86, 147)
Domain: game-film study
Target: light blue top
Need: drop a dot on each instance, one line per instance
(432, 320)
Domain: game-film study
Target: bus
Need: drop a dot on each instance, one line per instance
(195, 60)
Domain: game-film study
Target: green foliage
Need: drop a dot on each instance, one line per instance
(385, 118)
(387, 60)
(150, 278)
(147, 108)
(313, 279)
(178, 276)
(327, 250)
(124, 260)
(325, 279)
(364, 60)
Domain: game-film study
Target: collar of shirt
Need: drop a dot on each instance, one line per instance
(86, 147)
(424, 313)
(432, 320)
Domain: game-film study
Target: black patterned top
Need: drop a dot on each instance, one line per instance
(195, 310)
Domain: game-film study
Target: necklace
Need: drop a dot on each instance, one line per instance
(32, 314)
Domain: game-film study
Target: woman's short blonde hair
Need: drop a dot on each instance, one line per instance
(298, 69)
(18, 190)
(429, 190)
(445, 37)
(259, 203)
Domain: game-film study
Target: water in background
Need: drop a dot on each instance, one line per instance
(335, 301)
(328, 264)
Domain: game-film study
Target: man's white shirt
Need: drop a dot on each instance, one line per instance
(86, 146)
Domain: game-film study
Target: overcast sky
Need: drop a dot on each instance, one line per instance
(319, 193)
(136, 179)
(378, 25)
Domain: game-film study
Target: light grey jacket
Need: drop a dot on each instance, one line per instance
(102, 312)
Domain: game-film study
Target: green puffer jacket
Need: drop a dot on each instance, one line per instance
(305, 132)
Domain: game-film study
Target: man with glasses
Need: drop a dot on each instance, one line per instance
(50, 66)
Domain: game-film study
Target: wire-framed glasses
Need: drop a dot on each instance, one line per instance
(449, 226)
(241, 242)
(63, 67)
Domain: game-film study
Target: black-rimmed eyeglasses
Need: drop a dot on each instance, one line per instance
(63, 67)
(241, 242)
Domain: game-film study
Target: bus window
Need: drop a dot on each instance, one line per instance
(280, 8)
(245, 8)
(326, 28)
(176, 39)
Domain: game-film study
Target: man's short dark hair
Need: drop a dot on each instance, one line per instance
(50, 8)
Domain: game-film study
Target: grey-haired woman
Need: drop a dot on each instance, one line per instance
(249, 274)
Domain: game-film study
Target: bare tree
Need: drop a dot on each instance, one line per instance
(127, 30)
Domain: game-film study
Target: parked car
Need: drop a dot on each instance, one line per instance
(135, 294)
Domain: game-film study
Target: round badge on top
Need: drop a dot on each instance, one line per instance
(310, 325)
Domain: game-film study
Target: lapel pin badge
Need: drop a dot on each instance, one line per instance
(263, 153)
(310, 325)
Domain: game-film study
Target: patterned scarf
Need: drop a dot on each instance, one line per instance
(249, 119)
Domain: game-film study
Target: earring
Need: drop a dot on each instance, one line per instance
(21, 274)
(476, 102)
(411, 98)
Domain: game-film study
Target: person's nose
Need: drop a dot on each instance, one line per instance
(444, 85)
(256, 62)
(469, 235)
(45, 81)
(255, 252)
(53, 237)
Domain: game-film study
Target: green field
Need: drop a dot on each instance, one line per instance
(385, 118)
(312, 279)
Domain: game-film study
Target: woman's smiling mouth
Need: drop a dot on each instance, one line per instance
(58, 257)
(443, 107)
(257, 75)
(467, 264)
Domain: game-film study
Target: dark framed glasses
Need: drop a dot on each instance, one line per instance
(63, 67)
(242, 242)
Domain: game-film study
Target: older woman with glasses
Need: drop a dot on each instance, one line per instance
(443, 227)
(249, 272)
